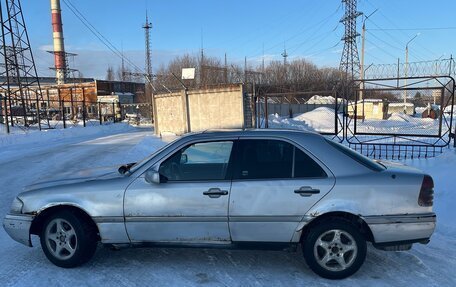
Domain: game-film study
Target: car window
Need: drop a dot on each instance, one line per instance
(367, 162)
(199, 161)
(305, 166)
(262, 159)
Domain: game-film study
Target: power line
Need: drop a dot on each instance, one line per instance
(396, 27)
(395, 39)
(381, 49)
(415, 29)
(319, 25)
(98, 35)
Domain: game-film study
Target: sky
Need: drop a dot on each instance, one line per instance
(254, 29)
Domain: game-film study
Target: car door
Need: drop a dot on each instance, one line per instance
(274, 184)
(190, 204)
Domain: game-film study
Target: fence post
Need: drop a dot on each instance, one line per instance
(38, 112)
(5, 109)
(113, 112)
(62, 103)
(83, 108)
(266, 120)
(99, 113)
(83, 113)
(454, 137)
(120, 112)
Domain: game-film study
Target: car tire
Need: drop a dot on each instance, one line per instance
(67, 239)
(334, 248)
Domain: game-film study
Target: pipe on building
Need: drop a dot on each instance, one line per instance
(59, 48)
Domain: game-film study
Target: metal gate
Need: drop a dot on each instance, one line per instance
(390, 118)
(320, 111)
(400, 117)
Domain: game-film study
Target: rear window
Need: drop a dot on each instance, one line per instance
(367, 162)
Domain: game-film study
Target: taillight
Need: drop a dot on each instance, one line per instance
(426, 197)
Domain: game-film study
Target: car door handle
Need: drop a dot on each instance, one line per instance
(306, 191)
(215, 192)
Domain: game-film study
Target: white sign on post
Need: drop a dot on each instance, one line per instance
(188, 73)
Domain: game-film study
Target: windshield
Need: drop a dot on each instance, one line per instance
(134, 167)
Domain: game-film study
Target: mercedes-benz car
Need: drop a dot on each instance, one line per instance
(237, 189)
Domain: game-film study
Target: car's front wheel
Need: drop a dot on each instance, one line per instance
(68, 240)
(334, 248)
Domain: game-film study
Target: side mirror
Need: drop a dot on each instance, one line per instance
(152, 176)
(183, 159)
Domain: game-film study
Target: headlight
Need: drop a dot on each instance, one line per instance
(16, 206)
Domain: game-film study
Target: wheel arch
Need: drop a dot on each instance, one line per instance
(354, 219)
(38, 221)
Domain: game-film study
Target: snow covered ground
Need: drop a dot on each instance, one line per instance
(25, 160)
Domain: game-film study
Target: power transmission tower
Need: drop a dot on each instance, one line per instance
(148, 73)
(21, 84)
(147, 28)
(285, 56)
(349, 62)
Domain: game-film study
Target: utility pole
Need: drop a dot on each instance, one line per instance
(245, 70)
(225, 71)
(363, 41)
(406, 71)
(202, 71)
(262, 66)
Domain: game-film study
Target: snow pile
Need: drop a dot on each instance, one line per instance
(277, 122)
(321, 100)
(400, 104)
(321, 119)
(401, 117)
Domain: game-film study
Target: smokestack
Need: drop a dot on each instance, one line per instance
(59, 48)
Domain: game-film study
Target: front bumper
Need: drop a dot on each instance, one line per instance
(18, 227)
(404, 227)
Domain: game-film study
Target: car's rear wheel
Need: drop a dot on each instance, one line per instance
(334, 248)
(67, 240)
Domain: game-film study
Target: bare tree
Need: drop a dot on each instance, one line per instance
(297, 75)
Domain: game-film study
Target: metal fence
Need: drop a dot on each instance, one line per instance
(321, 111)
(54, 114)
(401, 117)
(382, 118)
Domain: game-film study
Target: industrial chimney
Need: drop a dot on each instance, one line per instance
(59, 48)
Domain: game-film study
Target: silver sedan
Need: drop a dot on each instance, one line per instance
(235, 189)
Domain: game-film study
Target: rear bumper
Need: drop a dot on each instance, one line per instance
(405, 227)
(18, 227)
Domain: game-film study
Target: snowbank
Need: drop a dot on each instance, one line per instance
(319, 120)
(321, 100)
(37, 137)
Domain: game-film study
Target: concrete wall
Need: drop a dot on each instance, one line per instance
(210, 108)
(170, 115)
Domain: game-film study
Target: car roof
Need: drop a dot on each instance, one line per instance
(249, 132)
